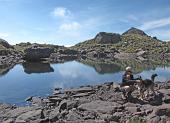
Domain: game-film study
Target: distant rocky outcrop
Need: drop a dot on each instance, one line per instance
(135, 31)
(5, 44)
(107, 38)
(35, 53)
(133, 43)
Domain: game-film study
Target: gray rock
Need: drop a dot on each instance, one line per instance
(73, 116)
(165, 91)
(167, 83)
(129, 104)
(123, 55)
(29, 99)
(31, 115)
(54, 115)
(63, 105)
(166, 99)
(20, 121)
(37, 101)
(9, 121)
(55, 99)
(141, 53)
(155, 119)
(132, 109)
(79, 90)
(56, 92)
(107, 38)
(37, 53)
(72, 104)
(81, 94)
(163, 110)
(99, 106)
(18, 111)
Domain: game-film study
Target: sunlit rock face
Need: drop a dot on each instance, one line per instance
(107, 38)
(37, 67)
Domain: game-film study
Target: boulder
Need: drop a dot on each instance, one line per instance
(18, 111)
(123, 55)
(83, 52)
(79, 90)
(81, 95)
(92, 54)
(35, 53)
(63, 105)
(55, 99)
(163, 110)
(155, 119)
(72, 104)
(167, 84)
(9, 121)
(20, 121)
(107, 38)
(100, 106)
(141, 53)
(73, 116)
(54, 115)
(132, 109)
(31, 115)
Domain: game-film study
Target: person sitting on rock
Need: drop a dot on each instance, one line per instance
(128, 82)
(128, 75)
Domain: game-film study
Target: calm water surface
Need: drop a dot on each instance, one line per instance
(39, 79)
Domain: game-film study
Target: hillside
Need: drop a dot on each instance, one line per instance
(131, 41)
(5, 47)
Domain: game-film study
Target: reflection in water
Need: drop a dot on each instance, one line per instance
(4, 69)
(107, 68)
(103, 68)
(116, 65)
(37, 67)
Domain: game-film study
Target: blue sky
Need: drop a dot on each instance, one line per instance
(67, 22)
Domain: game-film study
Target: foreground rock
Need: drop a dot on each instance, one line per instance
(91, 104)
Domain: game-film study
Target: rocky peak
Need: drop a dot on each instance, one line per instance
(134, 31)
(5, 43)
(107, 38)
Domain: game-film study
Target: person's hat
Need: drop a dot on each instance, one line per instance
(128, 69)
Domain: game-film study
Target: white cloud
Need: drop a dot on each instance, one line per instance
(132, 17)
(70, 26)
(61, 12)
(4, 35)
(155, 24)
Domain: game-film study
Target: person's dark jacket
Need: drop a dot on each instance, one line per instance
(124, 78)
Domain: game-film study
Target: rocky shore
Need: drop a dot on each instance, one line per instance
(92, 104)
